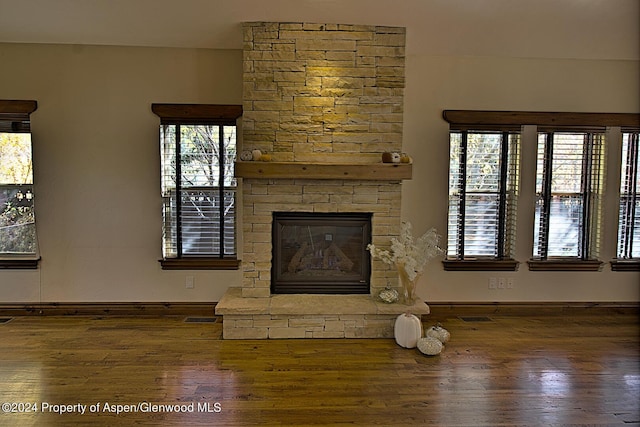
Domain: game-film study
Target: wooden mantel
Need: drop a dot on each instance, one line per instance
(304, 170)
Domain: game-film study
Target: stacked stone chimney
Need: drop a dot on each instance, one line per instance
(323, 92)
(317, 94)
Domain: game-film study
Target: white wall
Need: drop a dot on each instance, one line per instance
(97, 163)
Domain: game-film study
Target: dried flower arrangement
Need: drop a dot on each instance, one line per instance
(412, 253)
(409, 255)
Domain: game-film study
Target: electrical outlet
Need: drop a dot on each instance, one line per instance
(510, 282)
(493, 283)
(502, 283)
(189, 282)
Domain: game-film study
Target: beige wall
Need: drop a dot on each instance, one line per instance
(97, 172)
(96, 157)
(491, 83)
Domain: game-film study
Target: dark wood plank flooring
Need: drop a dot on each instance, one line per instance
(507, 371)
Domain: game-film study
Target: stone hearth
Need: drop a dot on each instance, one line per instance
(324, 101)
(309, 316)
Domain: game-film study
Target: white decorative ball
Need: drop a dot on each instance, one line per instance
(430, 346)
(439, 333)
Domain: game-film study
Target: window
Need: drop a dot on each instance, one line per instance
(18, 240)
(628, 248)
(483, 182)
(198, 150)
(568, 182)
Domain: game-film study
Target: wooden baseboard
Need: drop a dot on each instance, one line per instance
(110, 309)
(448, 309)
(438, 309)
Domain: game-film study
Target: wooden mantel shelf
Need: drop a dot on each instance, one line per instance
(304, 170)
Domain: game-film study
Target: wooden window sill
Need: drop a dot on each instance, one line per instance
(480, 265)
(564, 265)
(200, 263)
(625, 265)
(19, 263)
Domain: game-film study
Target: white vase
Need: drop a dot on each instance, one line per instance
(408, 286)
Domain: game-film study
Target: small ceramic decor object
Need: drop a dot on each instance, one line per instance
(395, 157)
(430, 346)
(256, 154)
(246, 156)
(386, 157)
(405, 158)
(388, 295)
(438, 332)
(265, 158)
(407, 330)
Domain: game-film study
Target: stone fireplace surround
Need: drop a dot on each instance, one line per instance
(324, 101)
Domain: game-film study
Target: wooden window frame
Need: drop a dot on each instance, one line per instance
(502, 260)
(490, 119)
(629, 263)
(15, 115)
(193, 114)
(592, 158)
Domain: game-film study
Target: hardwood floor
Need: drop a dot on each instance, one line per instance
(507, 370)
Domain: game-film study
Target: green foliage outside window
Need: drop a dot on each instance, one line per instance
(17, 217)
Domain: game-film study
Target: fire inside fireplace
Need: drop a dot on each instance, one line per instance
(321, 253)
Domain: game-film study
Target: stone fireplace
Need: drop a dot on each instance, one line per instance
(323, 101)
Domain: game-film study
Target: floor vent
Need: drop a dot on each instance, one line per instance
(5, 319)
(201, 319)
(475, 319)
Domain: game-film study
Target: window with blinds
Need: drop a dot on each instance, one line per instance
(198, 190)
(483, 182)
(18, 239)
(568, 185)
(568, 190)
(198, 150)
(629, 216)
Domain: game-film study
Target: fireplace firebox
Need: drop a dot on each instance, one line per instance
(321, 253)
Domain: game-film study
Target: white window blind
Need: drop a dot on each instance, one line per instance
(629, 217)
(482, 192)
(568, 183)
(198, 190)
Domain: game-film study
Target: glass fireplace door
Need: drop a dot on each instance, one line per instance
(321, 253)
